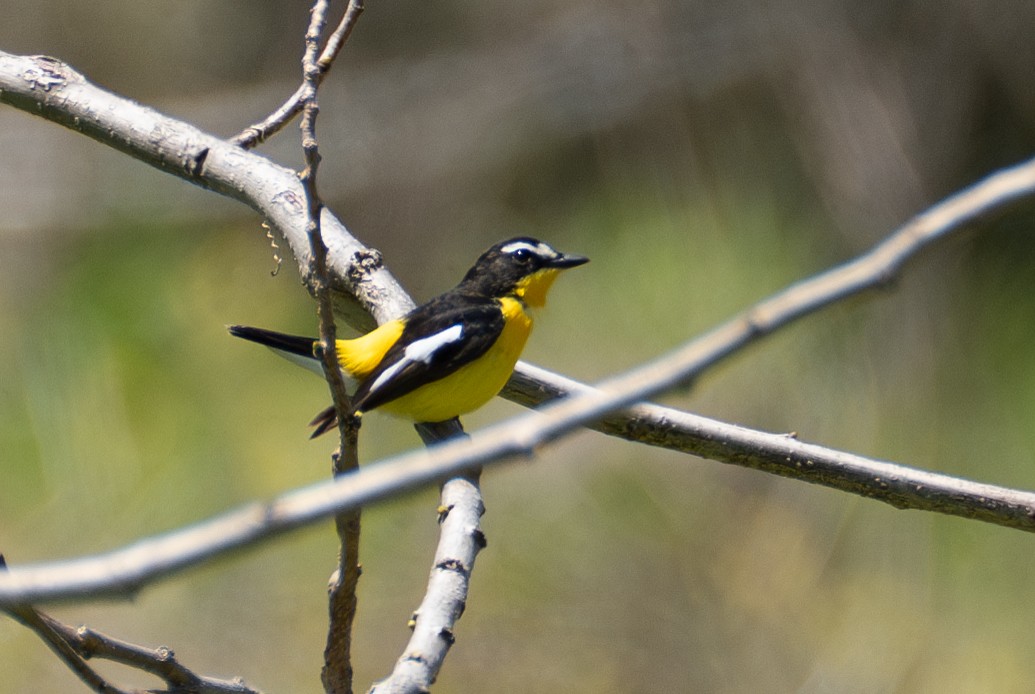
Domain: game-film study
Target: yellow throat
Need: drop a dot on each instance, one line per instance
(532, 289)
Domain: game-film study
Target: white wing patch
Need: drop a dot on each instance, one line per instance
(419, 350)
(540, 249)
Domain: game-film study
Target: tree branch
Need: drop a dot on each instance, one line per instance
(532, 386)
(362, 287)
(47, 87)
(460, 540)
(49, 632)
(124, 571)
(336, 673)
(74, 646)
(272, 124)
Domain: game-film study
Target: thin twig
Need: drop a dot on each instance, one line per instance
(74, 646)
(319, 271)
(273, 123)
(38, 623)
(160, 662)
(336, 673)
(447, 590)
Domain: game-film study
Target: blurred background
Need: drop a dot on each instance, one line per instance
(705, 155)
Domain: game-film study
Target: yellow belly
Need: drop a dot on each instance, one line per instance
(473, 385)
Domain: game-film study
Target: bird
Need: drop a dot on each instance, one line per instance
(449, 356)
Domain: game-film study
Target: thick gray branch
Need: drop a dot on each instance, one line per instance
(51, 89)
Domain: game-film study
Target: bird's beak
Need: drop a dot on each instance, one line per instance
(564, 261)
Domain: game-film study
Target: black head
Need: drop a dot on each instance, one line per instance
(522, 266)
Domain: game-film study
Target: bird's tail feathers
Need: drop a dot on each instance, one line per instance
(294, 348)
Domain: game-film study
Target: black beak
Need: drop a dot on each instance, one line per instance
(564, 261)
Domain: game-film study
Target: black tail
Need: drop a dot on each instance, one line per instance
(292, 344)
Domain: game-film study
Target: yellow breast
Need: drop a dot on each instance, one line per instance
(473, 385)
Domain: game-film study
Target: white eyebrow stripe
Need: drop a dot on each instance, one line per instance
(420, 350)
(540, 249)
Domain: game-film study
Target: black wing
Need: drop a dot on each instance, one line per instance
(439, 338)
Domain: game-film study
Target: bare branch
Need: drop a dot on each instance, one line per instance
(319, 272)
(362, 287)
(74, 646)
(272, 124)
(532, 386)
(445, 598)
(126, 570)
(49, 632)
(460, 541)
(336, 673)
(51, 89)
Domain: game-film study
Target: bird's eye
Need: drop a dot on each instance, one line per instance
(522, 255)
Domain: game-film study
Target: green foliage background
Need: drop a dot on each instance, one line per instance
(126, 410)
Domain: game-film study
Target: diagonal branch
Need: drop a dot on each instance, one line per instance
(361, 286)
(532, 386)
(125, 571)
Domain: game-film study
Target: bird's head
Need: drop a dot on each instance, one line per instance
(523, 267)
